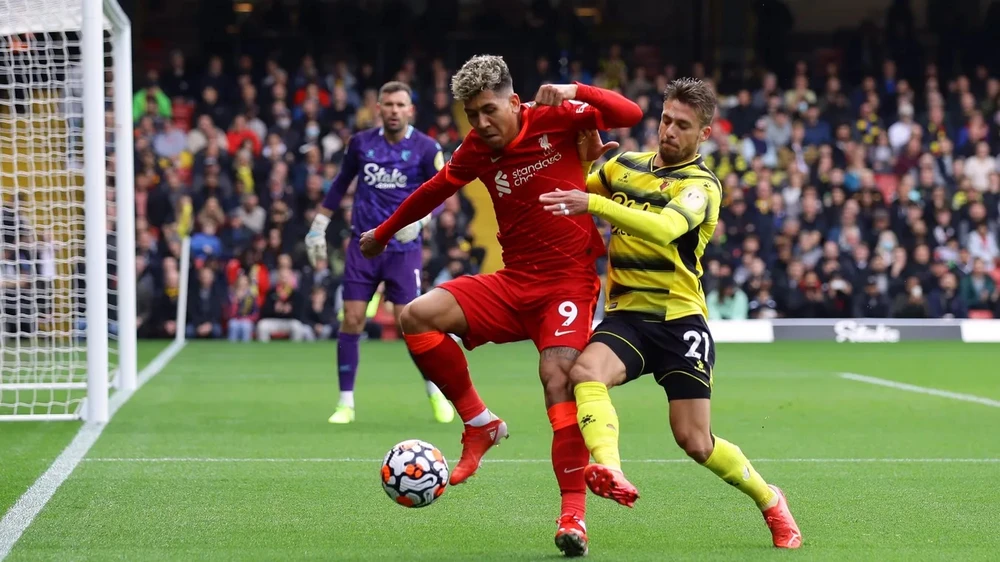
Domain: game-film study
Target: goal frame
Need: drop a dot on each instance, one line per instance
(92, 19)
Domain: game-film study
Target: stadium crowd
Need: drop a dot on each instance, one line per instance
(876, 199)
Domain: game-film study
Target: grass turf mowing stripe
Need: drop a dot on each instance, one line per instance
(921, 389)
(29, 505)
(519, 461)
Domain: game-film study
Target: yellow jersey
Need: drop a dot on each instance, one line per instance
(662, 218)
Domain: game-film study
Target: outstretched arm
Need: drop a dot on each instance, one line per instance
(348, 171)
(592, 108)
(419, 204)
(681, 215)
(613, 109)
(659, 228)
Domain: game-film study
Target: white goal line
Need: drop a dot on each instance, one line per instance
(167, 460)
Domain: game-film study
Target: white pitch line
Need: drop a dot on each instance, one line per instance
(168, 460)
(29, 505)
(921, 389)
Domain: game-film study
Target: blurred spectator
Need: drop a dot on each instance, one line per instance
(144, 294)
(240, 136)
(170, 141)
(243, 311)
(205, 243)
(164, 320)
(205, 307)
(945, 301)
(282, 310)
(317, 320)
(979, 167)
(177, 82)
(211, 106)
(728, 302)
(983, 243)
(151, 100)
(872, 302)
(251, 215)
(978, 290)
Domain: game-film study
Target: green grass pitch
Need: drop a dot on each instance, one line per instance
(226, 455)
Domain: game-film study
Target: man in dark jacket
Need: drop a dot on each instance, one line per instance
(205, 307)
(946, 302)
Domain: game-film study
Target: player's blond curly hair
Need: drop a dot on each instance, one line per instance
(481, 73)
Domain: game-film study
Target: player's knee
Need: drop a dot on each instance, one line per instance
(354, 322)
(556, 383)
(416, 318)
(697, 444)
(583, 371)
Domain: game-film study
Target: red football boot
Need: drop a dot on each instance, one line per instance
(610, 483)
(571, 536)
(784, 531)
(475, 442)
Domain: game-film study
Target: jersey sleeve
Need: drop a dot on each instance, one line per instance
(696, 199)
(598, 183)
(597, 108)
(464, 164)
(685, 212)
(348, 170)
(432, 163)
(459, 171)
(433, 159)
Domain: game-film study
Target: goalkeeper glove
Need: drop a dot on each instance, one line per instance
(316, 239)
(410, 232)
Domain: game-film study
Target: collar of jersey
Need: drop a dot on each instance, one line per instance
(409, 131)
(695, 160)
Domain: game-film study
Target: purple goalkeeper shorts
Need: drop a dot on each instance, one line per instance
(399, 270)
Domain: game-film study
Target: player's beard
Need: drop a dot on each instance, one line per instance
(394, 128)
(675, 155)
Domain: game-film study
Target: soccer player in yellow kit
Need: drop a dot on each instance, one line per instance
(663, 207)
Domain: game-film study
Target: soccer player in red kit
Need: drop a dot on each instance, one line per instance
(548, 288)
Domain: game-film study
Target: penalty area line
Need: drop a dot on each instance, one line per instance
(921, 389)
(182, 460)
(19, 517)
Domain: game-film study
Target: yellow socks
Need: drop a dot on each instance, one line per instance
(598, 423)
(728, 462)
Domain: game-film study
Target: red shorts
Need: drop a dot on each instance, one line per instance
(509, 306)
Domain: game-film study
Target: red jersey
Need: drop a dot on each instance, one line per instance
(542, 158)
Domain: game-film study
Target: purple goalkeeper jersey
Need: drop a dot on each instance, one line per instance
(387, 174)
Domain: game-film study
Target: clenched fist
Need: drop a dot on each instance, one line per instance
(555, 94)
(370, 247)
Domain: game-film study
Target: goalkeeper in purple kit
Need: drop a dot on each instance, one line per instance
(390, 162)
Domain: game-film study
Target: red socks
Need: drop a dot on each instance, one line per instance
(442, 362)
(569, 457)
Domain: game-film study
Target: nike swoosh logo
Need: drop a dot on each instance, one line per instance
(494, 160)
(571, 470)
(561, 333)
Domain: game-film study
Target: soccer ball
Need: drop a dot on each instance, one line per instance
(414, 473)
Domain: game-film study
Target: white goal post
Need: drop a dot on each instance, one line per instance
(67, 253)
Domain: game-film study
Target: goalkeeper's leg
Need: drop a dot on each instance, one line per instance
(348, 357)
(402, 274)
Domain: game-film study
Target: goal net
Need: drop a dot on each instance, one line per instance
(67, 273)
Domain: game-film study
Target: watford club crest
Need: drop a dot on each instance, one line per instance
(666, 184)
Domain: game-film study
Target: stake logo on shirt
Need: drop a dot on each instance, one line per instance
(377, 177)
